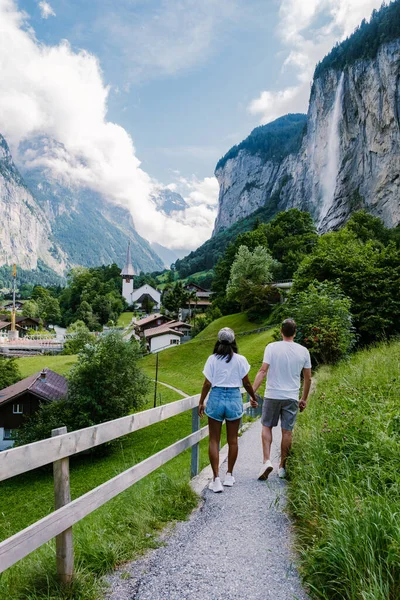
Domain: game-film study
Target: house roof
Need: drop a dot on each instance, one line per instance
(4, 324)
(19, 319)
(161, 330)
(173, 324)
(194, 285)
(54, 388)
(128, 268)
(150, 319)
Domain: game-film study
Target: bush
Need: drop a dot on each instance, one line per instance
(81, 337)
(9, 372)
(324, 323)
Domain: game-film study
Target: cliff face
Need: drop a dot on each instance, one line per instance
(63, 225)
(349, 156)
(25, 233)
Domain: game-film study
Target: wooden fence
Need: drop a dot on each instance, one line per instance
(57, 450)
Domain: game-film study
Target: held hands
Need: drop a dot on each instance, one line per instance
(302, 405)
(253, 403)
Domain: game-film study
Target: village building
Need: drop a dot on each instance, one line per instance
(161, 338)
(9, 306)
(150, 322)
(21, 400)
(23, 324)
(136, 297)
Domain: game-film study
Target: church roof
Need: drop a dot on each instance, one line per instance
(128, 268)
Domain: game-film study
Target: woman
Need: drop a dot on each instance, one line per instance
(225, 371)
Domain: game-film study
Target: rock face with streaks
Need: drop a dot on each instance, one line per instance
(348, 158)
(25, 233)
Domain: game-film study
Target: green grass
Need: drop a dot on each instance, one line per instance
(345, 479)
(124, 319)
(182, 366)
(128, 525)
(33, 364)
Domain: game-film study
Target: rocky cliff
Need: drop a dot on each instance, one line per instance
(60, 224)
(349, 156)
(25, 232)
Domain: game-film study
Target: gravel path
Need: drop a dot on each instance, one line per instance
(235, 547)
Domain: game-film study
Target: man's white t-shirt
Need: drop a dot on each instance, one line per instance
(226, 374)
(286, 361)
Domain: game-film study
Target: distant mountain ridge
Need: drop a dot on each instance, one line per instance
(60, 224)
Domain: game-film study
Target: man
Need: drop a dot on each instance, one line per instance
(283, 362)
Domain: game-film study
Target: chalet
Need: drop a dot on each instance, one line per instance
(5, 327)
(162, 337)
(19, 401)
(203, 297)
(184, 328)
(150, 323)
(24, 323)
(9, 306)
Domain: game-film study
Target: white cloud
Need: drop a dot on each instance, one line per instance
(46, 10)
(55, 92)
(309, 29)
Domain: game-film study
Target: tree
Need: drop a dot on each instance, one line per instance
(367, 272)
(49, 309)
(174, 297)
(249, 270)
(104, 385)
(148, 304)
(9, 372)
(30, 309)
(324, 321)
(81, 337)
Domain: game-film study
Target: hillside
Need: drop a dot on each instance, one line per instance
(182, 367)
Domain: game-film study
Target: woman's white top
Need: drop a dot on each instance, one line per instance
(226, 374)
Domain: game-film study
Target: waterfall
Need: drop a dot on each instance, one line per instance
(331, 170)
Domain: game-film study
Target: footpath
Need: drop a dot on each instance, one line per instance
(236, 546)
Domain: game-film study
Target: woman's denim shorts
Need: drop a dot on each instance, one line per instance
(224, 403)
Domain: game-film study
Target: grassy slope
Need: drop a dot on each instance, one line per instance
(127, 525)
(124, 319)
(345, 488)
(33, 364)
(182, 366)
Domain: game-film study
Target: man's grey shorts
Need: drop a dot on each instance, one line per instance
(285, 409)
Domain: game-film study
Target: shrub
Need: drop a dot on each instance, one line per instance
(9, 372)
(324, 323)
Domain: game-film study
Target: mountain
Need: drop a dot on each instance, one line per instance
(26, 233)
(59, 224)
(344, 155)
(168, 201)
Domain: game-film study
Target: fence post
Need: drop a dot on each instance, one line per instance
(62, 496)
(194, 468)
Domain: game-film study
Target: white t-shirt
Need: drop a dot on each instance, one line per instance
(286, 361)
(226, 374)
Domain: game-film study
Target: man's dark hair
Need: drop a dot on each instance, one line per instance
(288, 327)
(225, 349)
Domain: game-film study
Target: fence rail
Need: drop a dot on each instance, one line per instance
(58, 448)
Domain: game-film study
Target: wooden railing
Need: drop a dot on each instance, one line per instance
(57, 450)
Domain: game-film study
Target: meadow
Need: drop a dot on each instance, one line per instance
(345, 479)
(129, 524)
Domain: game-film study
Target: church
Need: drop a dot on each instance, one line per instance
(137, 296)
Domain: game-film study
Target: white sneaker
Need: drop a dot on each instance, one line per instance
(266, 469)
(282, 473)
(229, 480)
(216, 485)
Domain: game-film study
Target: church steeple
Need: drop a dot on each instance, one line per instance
(127, 274)
(128, 271)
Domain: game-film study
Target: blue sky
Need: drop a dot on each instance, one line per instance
(143, 94)
(186, 114)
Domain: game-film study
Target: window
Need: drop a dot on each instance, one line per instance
(174, 342)
(18, 409)
(8, 434)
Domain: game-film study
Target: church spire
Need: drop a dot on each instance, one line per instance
(128, 271)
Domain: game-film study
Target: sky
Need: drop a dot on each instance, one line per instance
(145, 94)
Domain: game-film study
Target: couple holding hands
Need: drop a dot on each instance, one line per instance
(226, 371)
